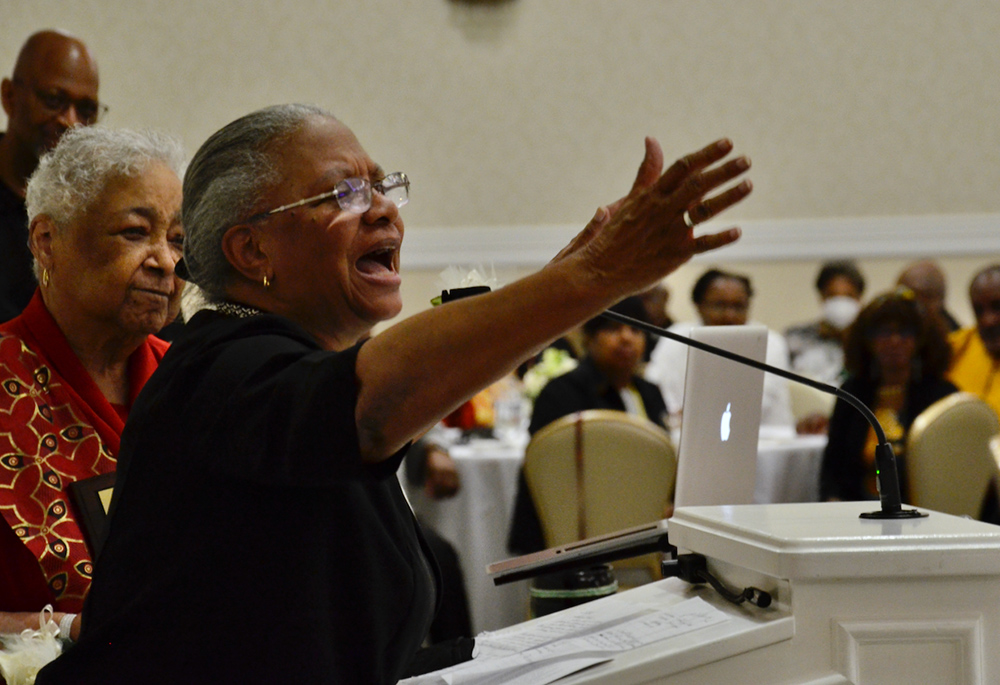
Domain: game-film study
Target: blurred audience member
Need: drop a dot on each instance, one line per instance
(975, 363)
(429, 465)
(655, 300)
(817, 349)
(606, 378)
(722, 299)
(896, 356)
(53, 87)
(926, 280)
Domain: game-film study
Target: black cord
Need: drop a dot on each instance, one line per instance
(693, 568)
(754, 595)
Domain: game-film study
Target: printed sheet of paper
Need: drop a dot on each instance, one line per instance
(541, 653)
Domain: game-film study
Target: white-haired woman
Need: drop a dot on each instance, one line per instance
(294, 556)
(105, 231)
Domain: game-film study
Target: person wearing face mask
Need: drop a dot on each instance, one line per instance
(816, 349)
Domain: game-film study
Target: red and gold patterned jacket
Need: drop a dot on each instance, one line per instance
(56, 427)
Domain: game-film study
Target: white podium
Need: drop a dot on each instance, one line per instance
(856, 601)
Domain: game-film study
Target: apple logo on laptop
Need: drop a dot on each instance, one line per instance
(724, 424)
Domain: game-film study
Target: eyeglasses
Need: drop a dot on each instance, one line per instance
(354, 195)
(58, 102)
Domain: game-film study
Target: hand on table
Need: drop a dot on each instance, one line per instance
(440, 477)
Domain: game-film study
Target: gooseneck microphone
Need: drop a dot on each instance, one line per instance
(885, 458)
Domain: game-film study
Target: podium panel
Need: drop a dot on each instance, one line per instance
(856, 601)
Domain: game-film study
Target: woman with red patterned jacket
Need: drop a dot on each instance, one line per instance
(105, 232)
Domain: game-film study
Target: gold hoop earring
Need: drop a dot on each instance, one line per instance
(45, 277)
(267, 282)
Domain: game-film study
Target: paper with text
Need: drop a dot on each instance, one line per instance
(543, 651)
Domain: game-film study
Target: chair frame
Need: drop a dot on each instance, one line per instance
(963, 502)
(553, 514)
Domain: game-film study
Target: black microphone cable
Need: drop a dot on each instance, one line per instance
(693, 568)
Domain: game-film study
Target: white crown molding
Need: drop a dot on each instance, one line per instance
(763, 240)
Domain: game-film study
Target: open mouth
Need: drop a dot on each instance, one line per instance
(380, 261)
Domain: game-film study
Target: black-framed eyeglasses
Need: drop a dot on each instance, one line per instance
(88, 110)
(354, 195)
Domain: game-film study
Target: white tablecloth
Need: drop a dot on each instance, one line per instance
(788, 469)
(476, 520)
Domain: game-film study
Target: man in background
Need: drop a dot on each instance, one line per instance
(975, 364)
(926, 280)
(722, 299)
(53, 87)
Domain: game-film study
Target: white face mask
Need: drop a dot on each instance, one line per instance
(840, 311)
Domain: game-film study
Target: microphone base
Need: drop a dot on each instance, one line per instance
(899, 514)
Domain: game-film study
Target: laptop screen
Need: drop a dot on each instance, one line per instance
(717, 455)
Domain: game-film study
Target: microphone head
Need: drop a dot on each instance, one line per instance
(459, 293)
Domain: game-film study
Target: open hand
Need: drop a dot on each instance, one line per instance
(650, 232)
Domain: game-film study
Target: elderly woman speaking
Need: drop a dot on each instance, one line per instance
(258, 532)
(105, 231)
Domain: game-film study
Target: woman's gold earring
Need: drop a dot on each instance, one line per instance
(267, 282)
(45, 277)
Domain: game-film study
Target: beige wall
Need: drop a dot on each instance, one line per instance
(516, 119)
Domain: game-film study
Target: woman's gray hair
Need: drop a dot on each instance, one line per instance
(225, 178)
(70, 178)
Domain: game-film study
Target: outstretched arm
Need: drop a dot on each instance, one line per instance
(420, 369)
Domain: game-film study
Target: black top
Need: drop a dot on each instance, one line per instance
(248, 542)
(843, 471)
(17, 282)
(585, 387)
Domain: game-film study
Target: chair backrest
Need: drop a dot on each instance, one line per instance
(807, 400)
(598, 471)
(948, 455)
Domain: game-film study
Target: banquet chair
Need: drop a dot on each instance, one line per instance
(948, 455)
(807, 400)
(599, 471)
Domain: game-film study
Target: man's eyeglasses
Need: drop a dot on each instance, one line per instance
(57, 102)
(354, 195)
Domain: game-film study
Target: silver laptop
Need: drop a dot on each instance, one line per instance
(717, 455)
